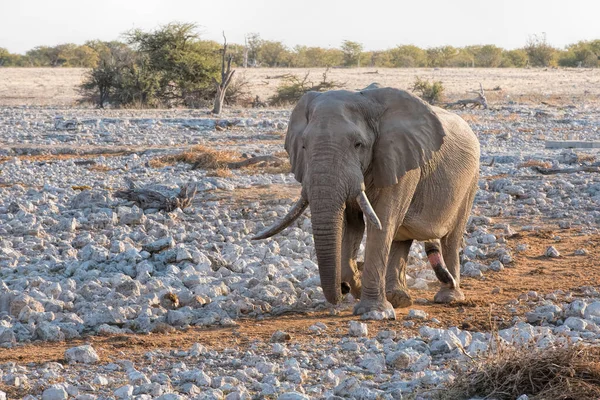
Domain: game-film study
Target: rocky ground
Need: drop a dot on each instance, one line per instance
(99, 299)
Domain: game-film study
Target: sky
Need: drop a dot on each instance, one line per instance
(377, 24)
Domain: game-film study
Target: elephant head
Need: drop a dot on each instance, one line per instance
(342, 143)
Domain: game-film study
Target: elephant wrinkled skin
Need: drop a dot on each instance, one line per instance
(411, 169)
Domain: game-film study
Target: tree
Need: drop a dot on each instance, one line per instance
(5, 57)
(583, 53)
(111, 80)
(408, 56)
(274, 54)
(184, 64)
(514, 58)
(351, 52)
(440, 56)
(169, 66)
(254, 43)
(307, 57)
(539, 52)
(226, 75)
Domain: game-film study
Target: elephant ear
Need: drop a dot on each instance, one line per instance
(409, 132)
(295, 131)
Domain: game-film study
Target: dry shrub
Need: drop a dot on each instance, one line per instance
(199, 156)
(535, 163)
(431, 92)
(292, 88)
(563, 373)
(217, 162)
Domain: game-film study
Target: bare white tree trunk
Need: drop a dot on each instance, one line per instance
(226, 75)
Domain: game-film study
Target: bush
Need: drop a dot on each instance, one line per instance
(166, 67)
(431, 92)
(539, 52)
(562, 373)
(292, 88)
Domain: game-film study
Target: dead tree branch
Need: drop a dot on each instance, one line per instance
(256, 160)
(152, 199)
(226, 75)
(479, 101)
(553, 171)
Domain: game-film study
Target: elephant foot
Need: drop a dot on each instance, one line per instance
(449, 295)
(374, 309)
(399, 298)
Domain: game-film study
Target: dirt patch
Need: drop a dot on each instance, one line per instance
(58, 86)
(482, 310)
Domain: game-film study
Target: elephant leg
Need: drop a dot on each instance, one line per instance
(396, 290)
(390, 205)
(354, 229)
(373, 297)
(450, 291)
(434, 255)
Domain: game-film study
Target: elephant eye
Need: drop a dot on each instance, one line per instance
(357, 145)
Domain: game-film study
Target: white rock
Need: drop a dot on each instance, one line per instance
(124, 392)
(82, 354)
(55, 392)
(552, 252)
(358, 329)
(417, 314)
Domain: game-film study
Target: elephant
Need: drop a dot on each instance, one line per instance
(383, 159)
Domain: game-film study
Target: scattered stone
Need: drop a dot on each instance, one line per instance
(552, 252)
(280, 337)
(417, 314)
(82, 354)
(358, 329)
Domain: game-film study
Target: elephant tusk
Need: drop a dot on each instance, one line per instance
(290, 217)
(367, 209)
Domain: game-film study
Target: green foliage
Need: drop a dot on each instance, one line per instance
(431, 92)
(5, 57)
(167, 67)
(539, 52)
(274, 54)
(440, 56)
(351, 52)
(308, 57)
(408, 56)
(293, 87)
(487, 56)
(514, 59)
(581, 54)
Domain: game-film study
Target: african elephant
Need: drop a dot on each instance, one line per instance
(411, 169)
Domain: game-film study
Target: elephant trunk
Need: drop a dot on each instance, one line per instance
(327, 225)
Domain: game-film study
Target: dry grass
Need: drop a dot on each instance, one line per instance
(199, 156)
(563, 373)
(39, 86)
(99, 168)
(216, 162)
(534, 163)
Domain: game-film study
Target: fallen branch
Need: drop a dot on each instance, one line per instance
(479, 101)
(553, 171)
(256, 160)
(152, 199)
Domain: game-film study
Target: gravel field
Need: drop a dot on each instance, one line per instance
(101, 300)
